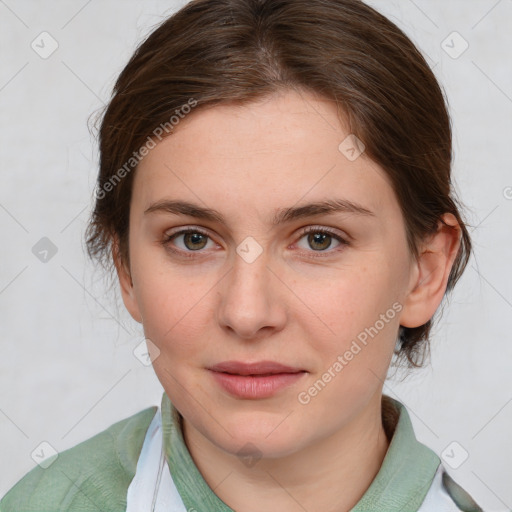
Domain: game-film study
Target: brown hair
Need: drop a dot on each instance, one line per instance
(219, 51)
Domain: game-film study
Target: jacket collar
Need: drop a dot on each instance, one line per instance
(402, 482)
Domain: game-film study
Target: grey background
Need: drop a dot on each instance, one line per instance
(67, 368)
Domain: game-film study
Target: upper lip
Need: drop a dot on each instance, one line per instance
(258, 368)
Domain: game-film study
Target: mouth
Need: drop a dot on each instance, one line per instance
(252, 381)
(258, 369)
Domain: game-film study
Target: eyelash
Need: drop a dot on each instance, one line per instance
(310, 229)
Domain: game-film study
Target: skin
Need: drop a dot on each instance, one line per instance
(294, 304)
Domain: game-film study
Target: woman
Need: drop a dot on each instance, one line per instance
(274, 194)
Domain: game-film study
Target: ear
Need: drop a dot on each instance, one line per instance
(125, 282)
(430, 274)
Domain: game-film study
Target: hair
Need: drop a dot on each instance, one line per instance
(214, 52)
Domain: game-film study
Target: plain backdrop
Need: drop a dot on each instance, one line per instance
(67, 368)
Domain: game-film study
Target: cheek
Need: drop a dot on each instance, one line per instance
(352, 298)
(353, 355)
(356, 316)
(174, 308)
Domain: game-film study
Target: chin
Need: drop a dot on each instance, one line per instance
(260, 447)
(260, 435)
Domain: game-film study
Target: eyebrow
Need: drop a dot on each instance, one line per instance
(282, 215)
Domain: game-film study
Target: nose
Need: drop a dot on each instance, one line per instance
(252, 303)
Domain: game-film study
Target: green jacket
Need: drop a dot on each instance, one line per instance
(95, 474)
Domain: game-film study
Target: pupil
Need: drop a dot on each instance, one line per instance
(194, 238)
(319, 238)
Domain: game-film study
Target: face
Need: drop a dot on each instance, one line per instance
(260, 280)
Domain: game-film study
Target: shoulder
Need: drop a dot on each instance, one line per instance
(93, 475)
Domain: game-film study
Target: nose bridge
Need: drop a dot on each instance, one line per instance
(249, 300)
(250, 262)
(250, 271)
(249, 281)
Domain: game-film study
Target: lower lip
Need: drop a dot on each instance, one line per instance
(255, 387)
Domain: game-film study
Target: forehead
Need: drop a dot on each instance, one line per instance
(276, 152)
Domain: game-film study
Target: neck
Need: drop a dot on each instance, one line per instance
(331, 475)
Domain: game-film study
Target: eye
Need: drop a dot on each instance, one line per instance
(321, 239)
(188, 240)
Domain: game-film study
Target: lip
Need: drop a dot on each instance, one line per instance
(254, 381)
(258, 368)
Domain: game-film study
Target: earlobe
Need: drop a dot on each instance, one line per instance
(125, 282)
(431, 272)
